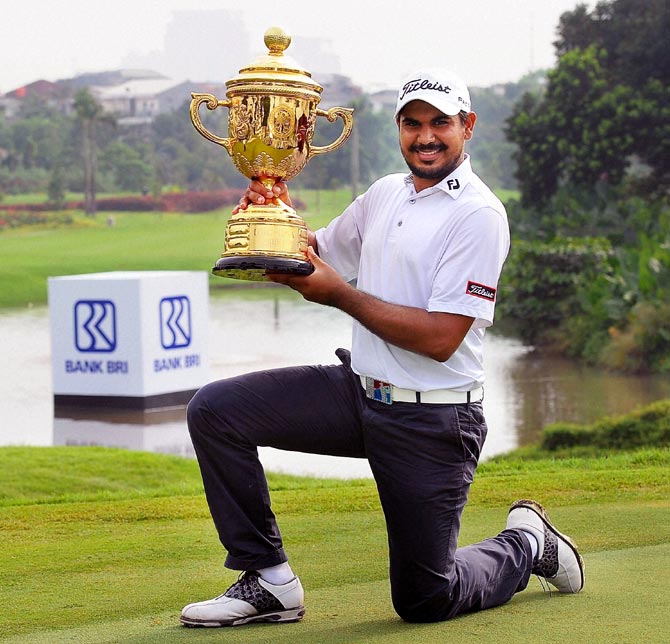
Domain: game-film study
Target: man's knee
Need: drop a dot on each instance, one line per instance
(196, 408)
(220, 411)
(207, 409)
(419, 610)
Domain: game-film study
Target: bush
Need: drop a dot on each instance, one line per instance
(198, 201)
(16, 219)
(22, 181)
(544, 285)
(643, 345)
(190, 202)
(645, 427)
(132, 203)
(56, 189)
(565, 436)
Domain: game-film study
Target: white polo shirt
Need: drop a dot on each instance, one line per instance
(441, 249)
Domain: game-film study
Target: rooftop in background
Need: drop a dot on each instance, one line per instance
(137, 96)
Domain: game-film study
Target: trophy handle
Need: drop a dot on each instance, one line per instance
(346, 114)
(212, 103)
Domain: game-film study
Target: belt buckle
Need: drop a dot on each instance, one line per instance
(379, 390)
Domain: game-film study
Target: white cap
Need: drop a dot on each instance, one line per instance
(439, 87)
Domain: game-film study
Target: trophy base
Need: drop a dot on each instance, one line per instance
(255, 267)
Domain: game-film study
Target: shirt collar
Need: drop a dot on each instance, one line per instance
(452, 184)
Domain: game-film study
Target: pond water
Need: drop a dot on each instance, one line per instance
(525, 389)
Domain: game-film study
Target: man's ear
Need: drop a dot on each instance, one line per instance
(470, 121)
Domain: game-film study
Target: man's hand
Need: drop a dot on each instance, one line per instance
(433, 334)
(257, 193)
(323, 286)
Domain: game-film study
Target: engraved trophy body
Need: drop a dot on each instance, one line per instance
(272, 107)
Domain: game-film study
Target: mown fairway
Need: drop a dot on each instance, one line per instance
(103, 545)
(136, 241)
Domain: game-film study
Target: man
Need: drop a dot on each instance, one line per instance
(426, 251)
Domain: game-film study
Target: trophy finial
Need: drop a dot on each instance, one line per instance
(276, 40)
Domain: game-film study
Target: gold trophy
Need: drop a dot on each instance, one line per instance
(272, 107)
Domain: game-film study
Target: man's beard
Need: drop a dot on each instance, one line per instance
(438, 172)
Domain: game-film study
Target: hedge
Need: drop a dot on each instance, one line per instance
(190, 202)
(645, 427)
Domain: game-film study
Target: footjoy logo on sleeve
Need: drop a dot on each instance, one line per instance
(95, 326)
(479, 290)
(175, 321)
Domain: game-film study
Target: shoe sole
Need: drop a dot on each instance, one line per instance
(542, 513)
(284, 616)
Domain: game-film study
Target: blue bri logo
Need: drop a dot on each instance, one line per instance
(95, 326)
(175, 319)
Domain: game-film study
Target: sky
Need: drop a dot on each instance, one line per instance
(378, 41)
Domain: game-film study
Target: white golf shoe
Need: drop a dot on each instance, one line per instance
(249, 599)
(559, 562)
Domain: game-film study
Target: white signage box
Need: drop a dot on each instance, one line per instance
(130, 339)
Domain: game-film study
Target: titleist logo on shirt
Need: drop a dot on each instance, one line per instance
(479, 290)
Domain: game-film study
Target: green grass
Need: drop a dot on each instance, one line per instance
(43, 197)
(137, 241)
(322, 205)
(36, 197)
(104, 545)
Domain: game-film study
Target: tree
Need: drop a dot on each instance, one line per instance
(377, 149)
(600, 118)
(56, 188)
(127, 166)
(183, 157)
(633, 33)
(593, 154)
(89, 114)
(576, 30)
(491, 152)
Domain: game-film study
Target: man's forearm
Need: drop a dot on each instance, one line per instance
(435, 335)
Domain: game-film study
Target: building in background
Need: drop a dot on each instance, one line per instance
(213, 45)
(139, 101)
(202, 50)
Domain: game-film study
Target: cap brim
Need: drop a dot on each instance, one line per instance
(450, 109)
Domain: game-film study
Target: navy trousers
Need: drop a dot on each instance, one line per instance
(423, 458)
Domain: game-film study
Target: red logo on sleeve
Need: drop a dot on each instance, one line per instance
(480, 290)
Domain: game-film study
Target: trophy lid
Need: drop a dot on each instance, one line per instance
(274, 68)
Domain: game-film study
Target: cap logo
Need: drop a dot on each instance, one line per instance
(418, 84)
